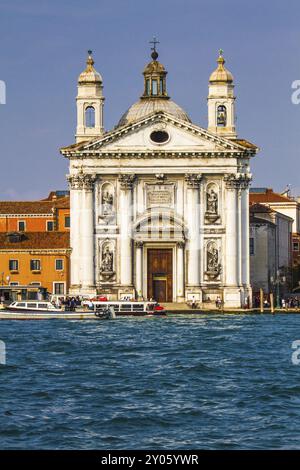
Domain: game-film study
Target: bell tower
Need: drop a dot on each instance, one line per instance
(90, 103)
(221, 101)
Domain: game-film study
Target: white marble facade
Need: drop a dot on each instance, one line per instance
(159, 182)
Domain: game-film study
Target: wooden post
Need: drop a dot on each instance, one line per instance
(272, 302)
(261, 301)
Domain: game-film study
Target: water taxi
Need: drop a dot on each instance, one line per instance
(33, 306)
(44, 310)
(126, 307)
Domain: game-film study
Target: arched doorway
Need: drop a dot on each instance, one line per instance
(160, 235)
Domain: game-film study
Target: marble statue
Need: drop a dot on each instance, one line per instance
(107, 261)
(107, 202)
(212, 202)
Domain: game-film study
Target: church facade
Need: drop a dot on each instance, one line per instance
(159, 205)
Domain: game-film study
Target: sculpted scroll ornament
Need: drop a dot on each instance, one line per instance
(81, 181)
(193, 180)
(238, 181)
(127, 181)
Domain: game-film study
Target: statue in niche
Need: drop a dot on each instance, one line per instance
(211, 214)
(107, 261)
(212, 258)
(213, 265)
(107, 202)
(212, 202)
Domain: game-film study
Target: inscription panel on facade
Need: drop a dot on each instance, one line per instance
(160, 195)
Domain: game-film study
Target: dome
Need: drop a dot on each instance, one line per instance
(154, 67)
(90, 75)
(221, 74)
(155, 96)
(144, 107)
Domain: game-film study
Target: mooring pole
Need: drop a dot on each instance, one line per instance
(261, 300)
(272, 302)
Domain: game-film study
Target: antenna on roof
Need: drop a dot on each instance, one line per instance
(287, 191)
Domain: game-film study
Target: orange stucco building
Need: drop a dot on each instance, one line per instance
(35, 246)
(51, 214)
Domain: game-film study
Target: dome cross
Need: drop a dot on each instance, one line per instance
(154, 42)
(154, 54)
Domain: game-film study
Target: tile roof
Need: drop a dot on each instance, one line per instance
(36, 240)
(33, 207)
(268, 196)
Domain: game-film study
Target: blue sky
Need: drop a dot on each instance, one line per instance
(43, 48)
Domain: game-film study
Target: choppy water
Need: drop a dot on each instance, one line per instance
(209, 382)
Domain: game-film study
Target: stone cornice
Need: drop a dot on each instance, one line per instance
(157, 154)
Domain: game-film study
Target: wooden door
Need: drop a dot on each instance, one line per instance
(160, 274)
(160, 290)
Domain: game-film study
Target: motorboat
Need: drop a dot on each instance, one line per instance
(44, 310)
(33, 306)
(126, 307)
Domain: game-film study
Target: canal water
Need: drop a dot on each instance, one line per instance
(205, 382)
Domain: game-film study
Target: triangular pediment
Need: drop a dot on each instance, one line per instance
(137, 137)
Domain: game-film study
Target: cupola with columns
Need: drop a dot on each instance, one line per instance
(155, 77)
(221, 101)
(90, 103)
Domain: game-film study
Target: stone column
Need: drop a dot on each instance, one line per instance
(75, 206)
(139, 269)
(125, 222)
(233, 291)
(239, 232)
(180, 271)
(245, 232)
(231, 265)
(87, 235)
(193, 218)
